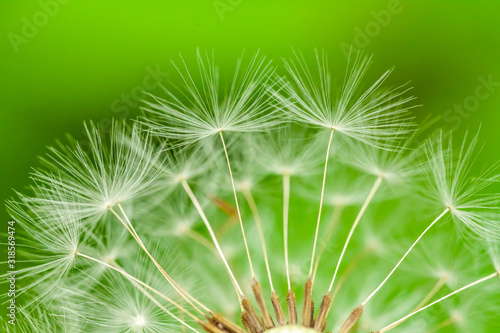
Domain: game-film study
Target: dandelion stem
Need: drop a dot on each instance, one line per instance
(396, 323)
(197, 205)
(321, 202)
(354, 225)
(286, 203)
(145, 285)
(237, 205)
(134, 234)
(405, 255)
(255, 212)
(333, 222)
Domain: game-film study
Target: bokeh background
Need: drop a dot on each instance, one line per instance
(63, 62)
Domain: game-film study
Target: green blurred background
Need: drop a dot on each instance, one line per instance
(64, 62)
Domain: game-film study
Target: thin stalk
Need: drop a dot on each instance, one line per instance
(258, 222)
(405, 255)
(182, 316)
(286, 204)
(442, 281)
(396, 323)
(352, 264)
(321, 202)
(354, 225)
(197, 205)
(337, 212)
(447, 322)
(434, 290)
(152, 299)
(145, 285)
(200, 239)
(237, 205)
(174, 284)
(136, 237)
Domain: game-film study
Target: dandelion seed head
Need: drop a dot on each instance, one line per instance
(449, 177)
(374, 245)
(344, 197)
(183, 227)
(470, 312)
(454, 265)
(112, 170)
(258, 185)
(397, 166)
(244, 185)
(185, 164)
(207, 110)
(375, 113)
(110, 258)
(286, 151)
(140, 321)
